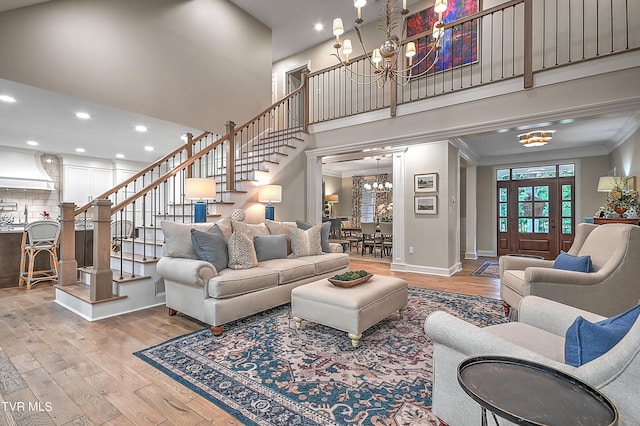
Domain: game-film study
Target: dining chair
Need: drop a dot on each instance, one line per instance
(350, 234)
(370, 238)
(386, 230)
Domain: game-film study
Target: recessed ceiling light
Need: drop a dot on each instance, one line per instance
(119, 155)
(567, 121)
(141, 128)
(80, 150)
(503, 130)
(318, 27)
(148, 148)
(83, 115)
(7, 98)
(32, 143)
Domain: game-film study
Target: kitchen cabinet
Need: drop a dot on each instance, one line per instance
(82, 184)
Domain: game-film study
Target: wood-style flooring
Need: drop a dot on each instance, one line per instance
(58, 369)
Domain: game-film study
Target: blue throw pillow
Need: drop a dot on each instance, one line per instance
(324, 233)
(586, 341)
(270, 246)
(572, 263)
(211, 246)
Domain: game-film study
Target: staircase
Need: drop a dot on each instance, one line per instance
(126, 280)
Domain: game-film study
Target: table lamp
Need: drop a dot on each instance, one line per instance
(270, 194)
(200, 189)
(331, 200)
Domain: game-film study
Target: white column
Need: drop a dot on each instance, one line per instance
(314, 188)
(471, 226)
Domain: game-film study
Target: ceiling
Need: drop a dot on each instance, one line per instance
(110, 131)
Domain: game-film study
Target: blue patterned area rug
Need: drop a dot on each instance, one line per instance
(265, 372)
(488, 269)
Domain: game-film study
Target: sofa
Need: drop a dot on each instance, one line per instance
(610, 286)
(224, 271)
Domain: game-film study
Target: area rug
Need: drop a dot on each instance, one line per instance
(488, 269)
(265, 372)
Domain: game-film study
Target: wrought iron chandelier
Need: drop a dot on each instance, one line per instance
(385, 60)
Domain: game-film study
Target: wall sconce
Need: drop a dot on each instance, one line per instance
(200, 189)
(270, 194)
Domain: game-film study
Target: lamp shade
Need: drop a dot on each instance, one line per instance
(606, 183)
(200, 189)
(333, 198)
(270, 194)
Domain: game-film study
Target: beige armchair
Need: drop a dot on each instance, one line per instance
(611, 288)
(537, 336)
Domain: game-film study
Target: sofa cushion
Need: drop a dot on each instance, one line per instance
(177, 237)
(242, 254)
(533, 338)
(290, 270)
(225, 226)
(327, 262)
(230, 283)
(324, 233)
(270, 247)
(586, 341)
(572, 263)
(250, 229)
(211, 246)
(306, 243)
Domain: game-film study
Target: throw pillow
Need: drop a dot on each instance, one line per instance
(211, 246)
(225, 226)
(276, 228)
(242, 254)
(586, 341)
(324, 233)
(306, 242)
(270, 247)
(572, 263)
(177, 237)
(250, 229)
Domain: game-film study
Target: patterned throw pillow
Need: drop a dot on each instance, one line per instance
(242, 254)
(306, 242)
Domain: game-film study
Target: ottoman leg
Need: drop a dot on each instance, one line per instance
(355, 339)
(401, 312)
(298, 322)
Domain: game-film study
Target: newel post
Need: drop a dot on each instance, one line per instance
(306, 96)
(230, 153)
(68, 266)
(528, 44)
(189, 170)
(101, 274)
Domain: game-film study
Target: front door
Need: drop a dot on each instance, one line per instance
(535, 216)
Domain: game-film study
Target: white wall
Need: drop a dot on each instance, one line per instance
(170, 59)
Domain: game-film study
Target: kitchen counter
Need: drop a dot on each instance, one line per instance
(10, 243)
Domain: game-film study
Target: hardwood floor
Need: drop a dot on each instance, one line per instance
(58, 369)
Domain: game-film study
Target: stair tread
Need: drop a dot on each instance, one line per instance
(83, 292)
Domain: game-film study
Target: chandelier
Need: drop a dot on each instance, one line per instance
(384, 61)
(537, 138)
(378, 186)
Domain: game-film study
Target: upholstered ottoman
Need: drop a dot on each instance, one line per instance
(352, 310)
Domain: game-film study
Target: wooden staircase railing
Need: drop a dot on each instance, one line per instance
(159, 188)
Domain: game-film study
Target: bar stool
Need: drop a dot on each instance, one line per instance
(40, 236)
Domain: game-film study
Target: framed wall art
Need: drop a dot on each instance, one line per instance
(425, 182)
(459, 46)
(427, 204)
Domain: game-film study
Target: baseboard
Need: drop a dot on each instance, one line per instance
(487, 253)
(429, 270)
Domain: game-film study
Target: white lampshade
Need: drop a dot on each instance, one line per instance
(440, 6)
(606, 183)
(438, 29)
(270, 194)
(338, 28)
(200, 189)
(376, 57)
(346, 47)
(411, 49)
(333, 198)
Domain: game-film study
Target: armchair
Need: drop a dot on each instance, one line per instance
(537, 336)
(609, 289)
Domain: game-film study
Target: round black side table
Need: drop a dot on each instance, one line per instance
(528, 393)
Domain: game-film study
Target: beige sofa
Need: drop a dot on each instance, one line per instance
(194, 287)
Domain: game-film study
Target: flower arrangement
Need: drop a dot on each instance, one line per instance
(385, 212)
(620, 199)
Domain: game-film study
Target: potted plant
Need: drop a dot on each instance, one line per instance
(620, 200)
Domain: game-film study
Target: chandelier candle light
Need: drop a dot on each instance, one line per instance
(384, 61)
(200, 189)
(378, 186)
